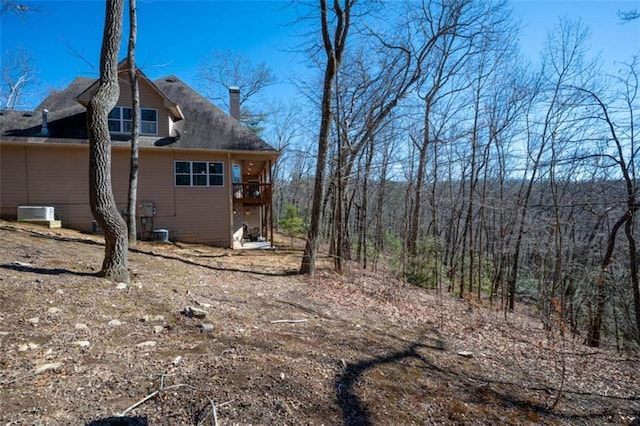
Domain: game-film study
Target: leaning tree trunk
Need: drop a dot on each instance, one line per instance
(103, 205)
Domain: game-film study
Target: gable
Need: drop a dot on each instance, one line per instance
(150, 95)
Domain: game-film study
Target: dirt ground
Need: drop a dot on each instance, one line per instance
(274, 348)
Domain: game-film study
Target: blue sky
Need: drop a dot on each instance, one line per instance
(174, 36)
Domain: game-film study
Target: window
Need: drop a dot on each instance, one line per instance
(148, 121)
(120, 120)
(237, 173)
(199, 173)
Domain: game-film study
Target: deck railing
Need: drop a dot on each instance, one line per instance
(252, 192)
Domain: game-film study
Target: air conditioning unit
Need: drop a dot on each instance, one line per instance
(26, 213)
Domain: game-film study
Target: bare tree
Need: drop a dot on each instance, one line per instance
(334, 49)
(135, 123)
(625, 158)
(451, 34)
(19, 8)
(103, 205)
(18, 73)
(220, 70)
(628, 15)
(285, 131)
(564, 64)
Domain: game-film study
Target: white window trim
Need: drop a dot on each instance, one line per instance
(191, 175)
(121, 120)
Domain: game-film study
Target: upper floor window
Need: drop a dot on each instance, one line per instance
(199, 173)
(120, 120)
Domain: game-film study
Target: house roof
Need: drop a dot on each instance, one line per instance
(204, 126)
(123, 67)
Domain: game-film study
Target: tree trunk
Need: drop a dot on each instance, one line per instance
(334, 51)
(135, 125)
(595, 321)
(633, 261)
(103, 205)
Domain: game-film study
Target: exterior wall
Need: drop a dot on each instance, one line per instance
(149, 98)
(57, 175)
(193, 214)
(47, 175)
(13, 179)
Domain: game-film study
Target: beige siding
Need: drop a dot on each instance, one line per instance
(57, 175)
(202, 206)
(47, 175)
(149, 98)
(13, 179)
(194, 214)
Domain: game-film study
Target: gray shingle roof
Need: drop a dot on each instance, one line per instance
(205, 126)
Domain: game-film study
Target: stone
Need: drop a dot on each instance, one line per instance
(205, 327)
(283, 406)
(193, 312)
(147, 344)
(115, 323)
(152, 318)
(177, 360)
(33, 320)
(81, 326)
(53, 310)
(47, 367)
(157, 329)
(82, 343)
(121, 286)
(465, 354)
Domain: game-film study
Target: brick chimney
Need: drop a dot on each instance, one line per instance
(234, 102)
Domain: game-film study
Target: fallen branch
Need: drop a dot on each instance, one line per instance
(179, 385)
(305, 308)
(151, 395)
(286, 320)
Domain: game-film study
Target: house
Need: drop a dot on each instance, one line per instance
(203, 177)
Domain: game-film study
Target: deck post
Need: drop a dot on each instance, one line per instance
(271, 204)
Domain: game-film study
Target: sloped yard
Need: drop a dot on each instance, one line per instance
(274, 348)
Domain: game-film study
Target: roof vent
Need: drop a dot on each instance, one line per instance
(27, 114)
(45, 128)
(170, 80)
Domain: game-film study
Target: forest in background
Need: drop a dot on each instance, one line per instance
(459, 166)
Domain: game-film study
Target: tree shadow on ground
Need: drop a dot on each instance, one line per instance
(59, 271)
(44, 271)
(525, 402)
(120, 421)
(215, 268)
(354, 411)
(38, 234)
